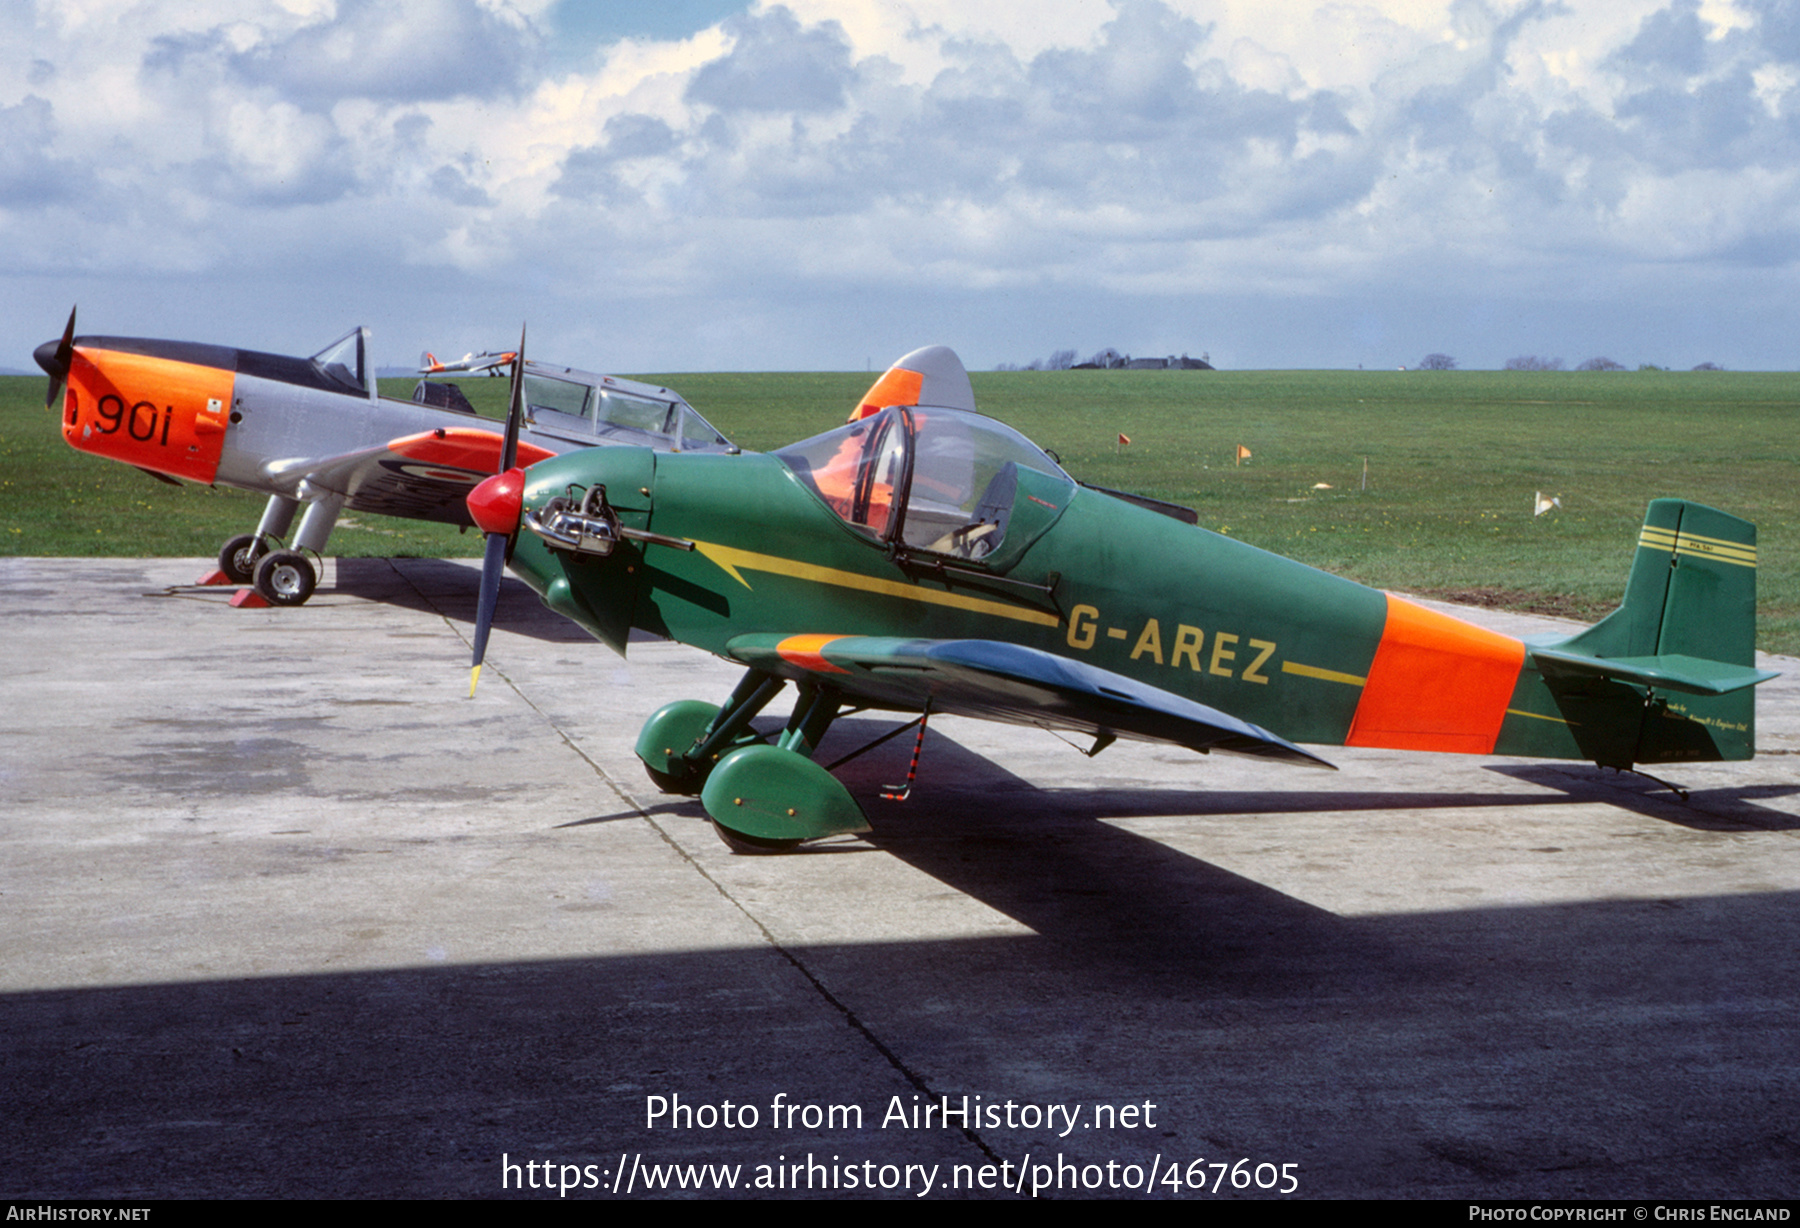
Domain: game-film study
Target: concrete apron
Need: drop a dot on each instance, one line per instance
(288, 915)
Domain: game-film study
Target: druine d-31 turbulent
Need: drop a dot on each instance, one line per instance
(924, 559)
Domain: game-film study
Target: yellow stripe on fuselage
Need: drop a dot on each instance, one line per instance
(1539, 716)
(1323, 675)
(730, 559)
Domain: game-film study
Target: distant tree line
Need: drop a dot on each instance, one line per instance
(1110, 359)
(1531, 362)
(1061, 360)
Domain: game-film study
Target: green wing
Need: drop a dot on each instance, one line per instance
(1009, 683)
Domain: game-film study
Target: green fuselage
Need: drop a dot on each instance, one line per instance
(1082, 575)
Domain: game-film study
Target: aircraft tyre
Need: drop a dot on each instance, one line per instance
(285, 577)
(764, 799)
(680, 786)
(751, 846)
(239, 556)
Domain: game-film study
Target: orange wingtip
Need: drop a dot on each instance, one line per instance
(807, 651)
(462, 447)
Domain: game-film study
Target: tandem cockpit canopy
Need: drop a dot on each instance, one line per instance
(588, 408)
(945, 481)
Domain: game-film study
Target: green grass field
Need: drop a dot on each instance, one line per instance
(1454, 458)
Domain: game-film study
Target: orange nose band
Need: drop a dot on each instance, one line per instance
(153, 412)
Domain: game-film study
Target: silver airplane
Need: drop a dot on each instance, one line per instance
(315, 431)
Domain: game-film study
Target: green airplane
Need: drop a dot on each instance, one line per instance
(925, 559)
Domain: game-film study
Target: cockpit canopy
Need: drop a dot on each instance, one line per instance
(944, 481)
(346, 361)
(581, 405)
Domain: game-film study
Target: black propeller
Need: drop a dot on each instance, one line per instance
(493, 561)
(56, 362)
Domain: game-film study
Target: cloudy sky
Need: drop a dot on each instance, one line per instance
(820, 184)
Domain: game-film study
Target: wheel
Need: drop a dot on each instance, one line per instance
(285, 577)
(239, 556)
(750, 846)
(681, 786)
(764, 799)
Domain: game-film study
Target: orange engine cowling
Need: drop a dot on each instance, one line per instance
(152, 412)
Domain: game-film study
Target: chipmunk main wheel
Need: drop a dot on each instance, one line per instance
(286, 577)
(239, 556)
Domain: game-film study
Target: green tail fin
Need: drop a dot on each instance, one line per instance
(1689, 619)
(1692, 589)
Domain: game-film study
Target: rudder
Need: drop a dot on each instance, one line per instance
(1710, 607)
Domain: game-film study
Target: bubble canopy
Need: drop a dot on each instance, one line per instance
(939, 480)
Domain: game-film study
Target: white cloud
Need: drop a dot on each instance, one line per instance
(845, 150)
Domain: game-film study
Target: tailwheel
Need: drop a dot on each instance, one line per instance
(286, 577)
(766, 799)
(239, 556)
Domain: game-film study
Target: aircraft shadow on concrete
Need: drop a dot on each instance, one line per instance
(1050, 860)
(960, 778)
(1559, 1050)
(450, 589)
(1732, 808)
(1540, 1050)
(1483, 1053)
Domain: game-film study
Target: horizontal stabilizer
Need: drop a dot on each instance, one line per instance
(1668, 672)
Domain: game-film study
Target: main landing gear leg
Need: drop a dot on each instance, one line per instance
(287, 577)
(767, 799)
(239, 556)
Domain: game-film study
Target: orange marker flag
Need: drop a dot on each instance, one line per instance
(1124, 439)
(1243, 454)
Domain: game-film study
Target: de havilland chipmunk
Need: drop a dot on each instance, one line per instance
(315, 431)
(923, 559)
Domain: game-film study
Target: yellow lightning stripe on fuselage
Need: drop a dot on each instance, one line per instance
(1698, 546)
(730, 559)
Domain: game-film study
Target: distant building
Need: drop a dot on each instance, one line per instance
(1184, 363)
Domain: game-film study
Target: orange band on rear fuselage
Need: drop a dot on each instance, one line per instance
(807, 651)
(1437, 683)
(153, 412)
